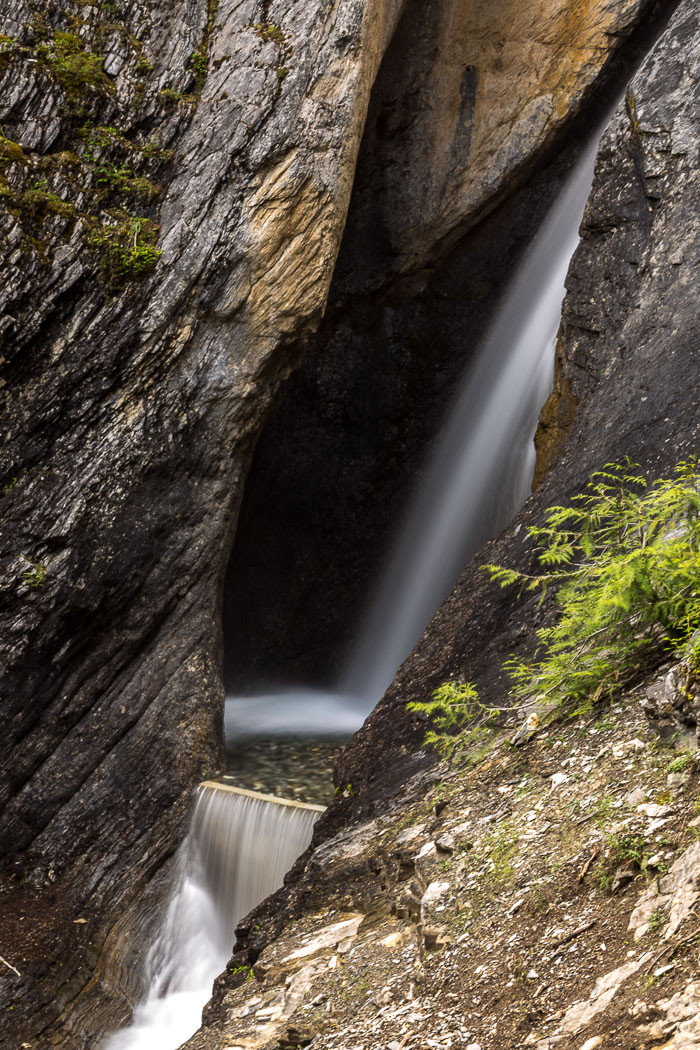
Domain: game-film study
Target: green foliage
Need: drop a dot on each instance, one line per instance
(453, 707)
(36, 576)
(198, 64)
(11, 153)
(126, 248)
(171, 98)
(118, 176)
(246, 971)
(76, 70)
(40, 201)
(269, 31)
(657, 919)
(625, 559)
(680, 764)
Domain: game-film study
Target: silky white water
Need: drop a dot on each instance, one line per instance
(239, 848)
(481, 471)
(478, 477)
(237, 852)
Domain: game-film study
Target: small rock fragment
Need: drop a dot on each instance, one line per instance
(436, 937)
(590, 1044)
(445, 843)
(653, 809)
(624, 874)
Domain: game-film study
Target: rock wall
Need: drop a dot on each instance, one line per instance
(175, 182)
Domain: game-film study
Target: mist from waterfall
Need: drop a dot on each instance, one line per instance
(238, 850)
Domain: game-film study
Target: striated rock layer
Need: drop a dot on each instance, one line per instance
(174, 183)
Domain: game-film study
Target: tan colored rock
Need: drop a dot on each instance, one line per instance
(487, 86)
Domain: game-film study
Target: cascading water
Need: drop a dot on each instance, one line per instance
(237, 852)
(478, 478)
(481, 472)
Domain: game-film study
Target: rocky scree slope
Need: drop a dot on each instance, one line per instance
(174, 185)
(544, 897)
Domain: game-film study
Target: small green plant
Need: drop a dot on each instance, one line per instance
(603, 811)
(11, 153)
(75, 69)
(657, 919)
(170, 98)
(40, 201)
(680, 764)
(198, 64)
(269, 31)
(454, 707)
(625, 560)
(36, 576)
(126, 249)
(247, 971)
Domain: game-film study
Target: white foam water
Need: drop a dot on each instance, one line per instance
(294, 712)
(239, 847)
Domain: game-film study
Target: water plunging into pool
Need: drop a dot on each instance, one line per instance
(477, 478)
(239, 848)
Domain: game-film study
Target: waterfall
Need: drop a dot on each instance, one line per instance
(239, 846)
(481, 471)
(478, 477)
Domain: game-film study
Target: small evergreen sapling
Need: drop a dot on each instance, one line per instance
(625, 559)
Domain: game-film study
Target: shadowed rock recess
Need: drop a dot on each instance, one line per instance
(174, 184)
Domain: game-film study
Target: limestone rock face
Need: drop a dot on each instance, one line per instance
(174, 182)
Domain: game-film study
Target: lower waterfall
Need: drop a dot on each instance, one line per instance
(239, 846)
